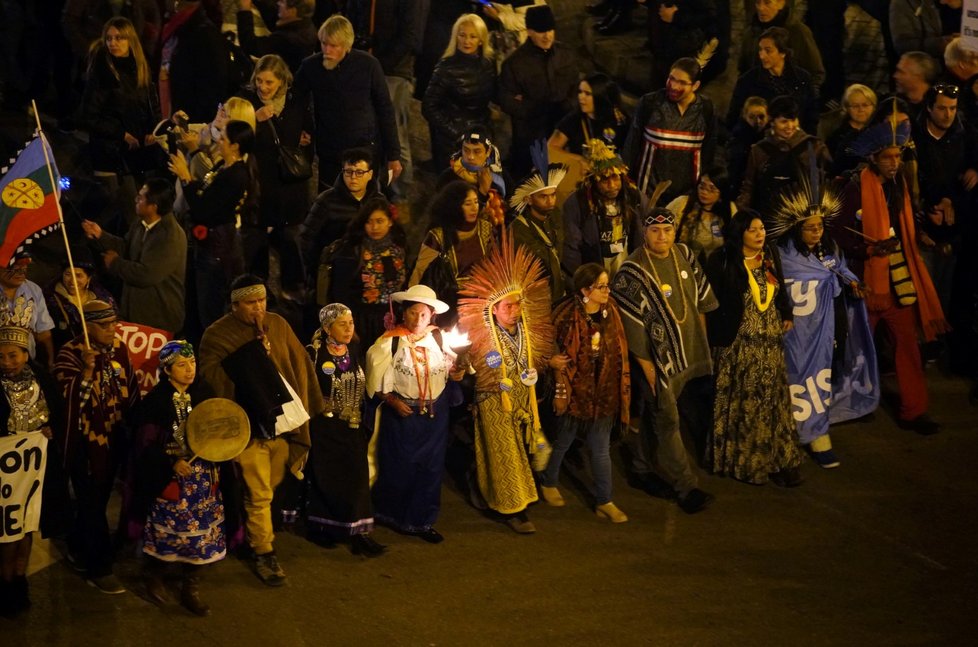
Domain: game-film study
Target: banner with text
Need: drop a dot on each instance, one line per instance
(22, 463)
(144, 344)
(969, 25)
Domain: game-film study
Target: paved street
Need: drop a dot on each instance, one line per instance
(877, 552)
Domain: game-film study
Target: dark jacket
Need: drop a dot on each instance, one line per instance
(457, 99)
(582, 237)
(728, 278)
(199, 68)
(775, 166)
(328, 218)
(694, 23)
(112, 107)
(293, 41)
(281, 203)
(940, 165)
(800, 41)
(391, 34)
(546, 81)
(152, 267)
(794, 81)
(351, 105)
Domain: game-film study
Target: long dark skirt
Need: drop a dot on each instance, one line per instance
(338, 501)
(410, 465)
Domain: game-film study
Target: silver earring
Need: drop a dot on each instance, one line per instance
(585, 299)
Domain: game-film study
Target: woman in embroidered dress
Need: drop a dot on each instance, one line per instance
(368, 266)
(60, 298)
(337, 474)
(458, 237)
(593, 391)
(31, 403)
(408, 373)
(754, 437)
(185, 523)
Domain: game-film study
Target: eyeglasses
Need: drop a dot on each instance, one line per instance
(604, 288)
(948, 90)
(679, 82)
(355, 172)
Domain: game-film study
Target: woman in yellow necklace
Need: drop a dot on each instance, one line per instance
(754, 437)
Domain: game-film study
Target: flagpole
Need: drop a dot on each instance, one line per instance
(61, 221)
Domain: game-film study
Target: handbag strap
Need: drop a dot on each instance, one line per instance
(271, 124)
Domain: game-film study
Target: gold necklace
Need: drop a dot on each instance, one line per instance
(682, 292)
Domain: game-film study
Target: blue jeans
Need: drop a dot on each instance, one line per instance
(598, 439)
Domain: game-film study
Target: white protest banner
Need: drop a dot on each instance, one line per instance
(969, 25)
(22, 463)
(144, 344)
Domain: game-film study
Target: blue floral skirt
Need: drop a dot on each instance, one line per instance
(191, 528)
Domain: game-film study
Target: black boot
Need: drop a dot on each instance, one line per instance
(190, 596)
(6, 599)
(21, 597)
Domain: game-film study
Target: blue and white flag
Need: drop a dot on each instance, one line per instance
(819, 397)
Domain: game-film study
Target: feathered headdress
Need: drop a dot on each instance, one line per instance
(544, 176)
(810, 199)
(507, 271)
(603, 159)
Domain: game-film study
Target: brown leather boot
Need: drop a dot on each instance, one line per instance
(190, 596)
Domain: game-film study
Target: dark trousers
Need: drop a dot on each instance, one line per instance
(89, 539)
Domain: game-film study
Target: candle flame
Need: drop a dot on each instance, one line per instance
(456, 339)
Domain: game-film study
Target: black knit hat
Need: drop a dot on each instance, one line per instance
(540, 18)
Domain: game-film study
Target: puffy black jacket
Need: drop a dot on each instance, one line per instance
(458, 97)
(327, 220)
(545, 81)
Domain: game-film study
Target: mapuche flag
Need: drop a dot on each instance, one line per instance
(28, 201)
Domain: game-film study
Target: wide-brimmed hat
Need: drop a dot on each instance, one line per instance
(421, 294)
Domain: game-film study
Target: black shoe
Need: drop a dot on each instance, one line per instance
(366, 546)
(696, 500)
(922, 424)
(652, 485)
(598, 8)
(788, 477)
(430, 535)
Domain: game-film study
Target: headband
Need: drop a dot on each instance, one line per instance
(247, 292)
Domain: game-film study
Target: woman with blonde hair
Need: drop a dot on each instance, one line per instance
(280, 122)
(461, 87)
(858, 106)
(120, 107)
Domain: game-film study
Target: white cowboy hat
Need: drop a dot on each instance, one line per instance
(421, 294)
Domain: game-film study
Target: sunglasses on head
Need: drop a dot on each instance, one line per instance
(948, 90)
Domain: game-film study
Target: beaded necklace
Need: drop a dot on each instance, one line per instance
(755, 289)
(682, 292)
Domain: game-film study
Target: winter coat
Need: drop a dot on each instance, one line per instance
(546, 81)
(800, 41)
(794, 81)
(293, 41)
(457, 99)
